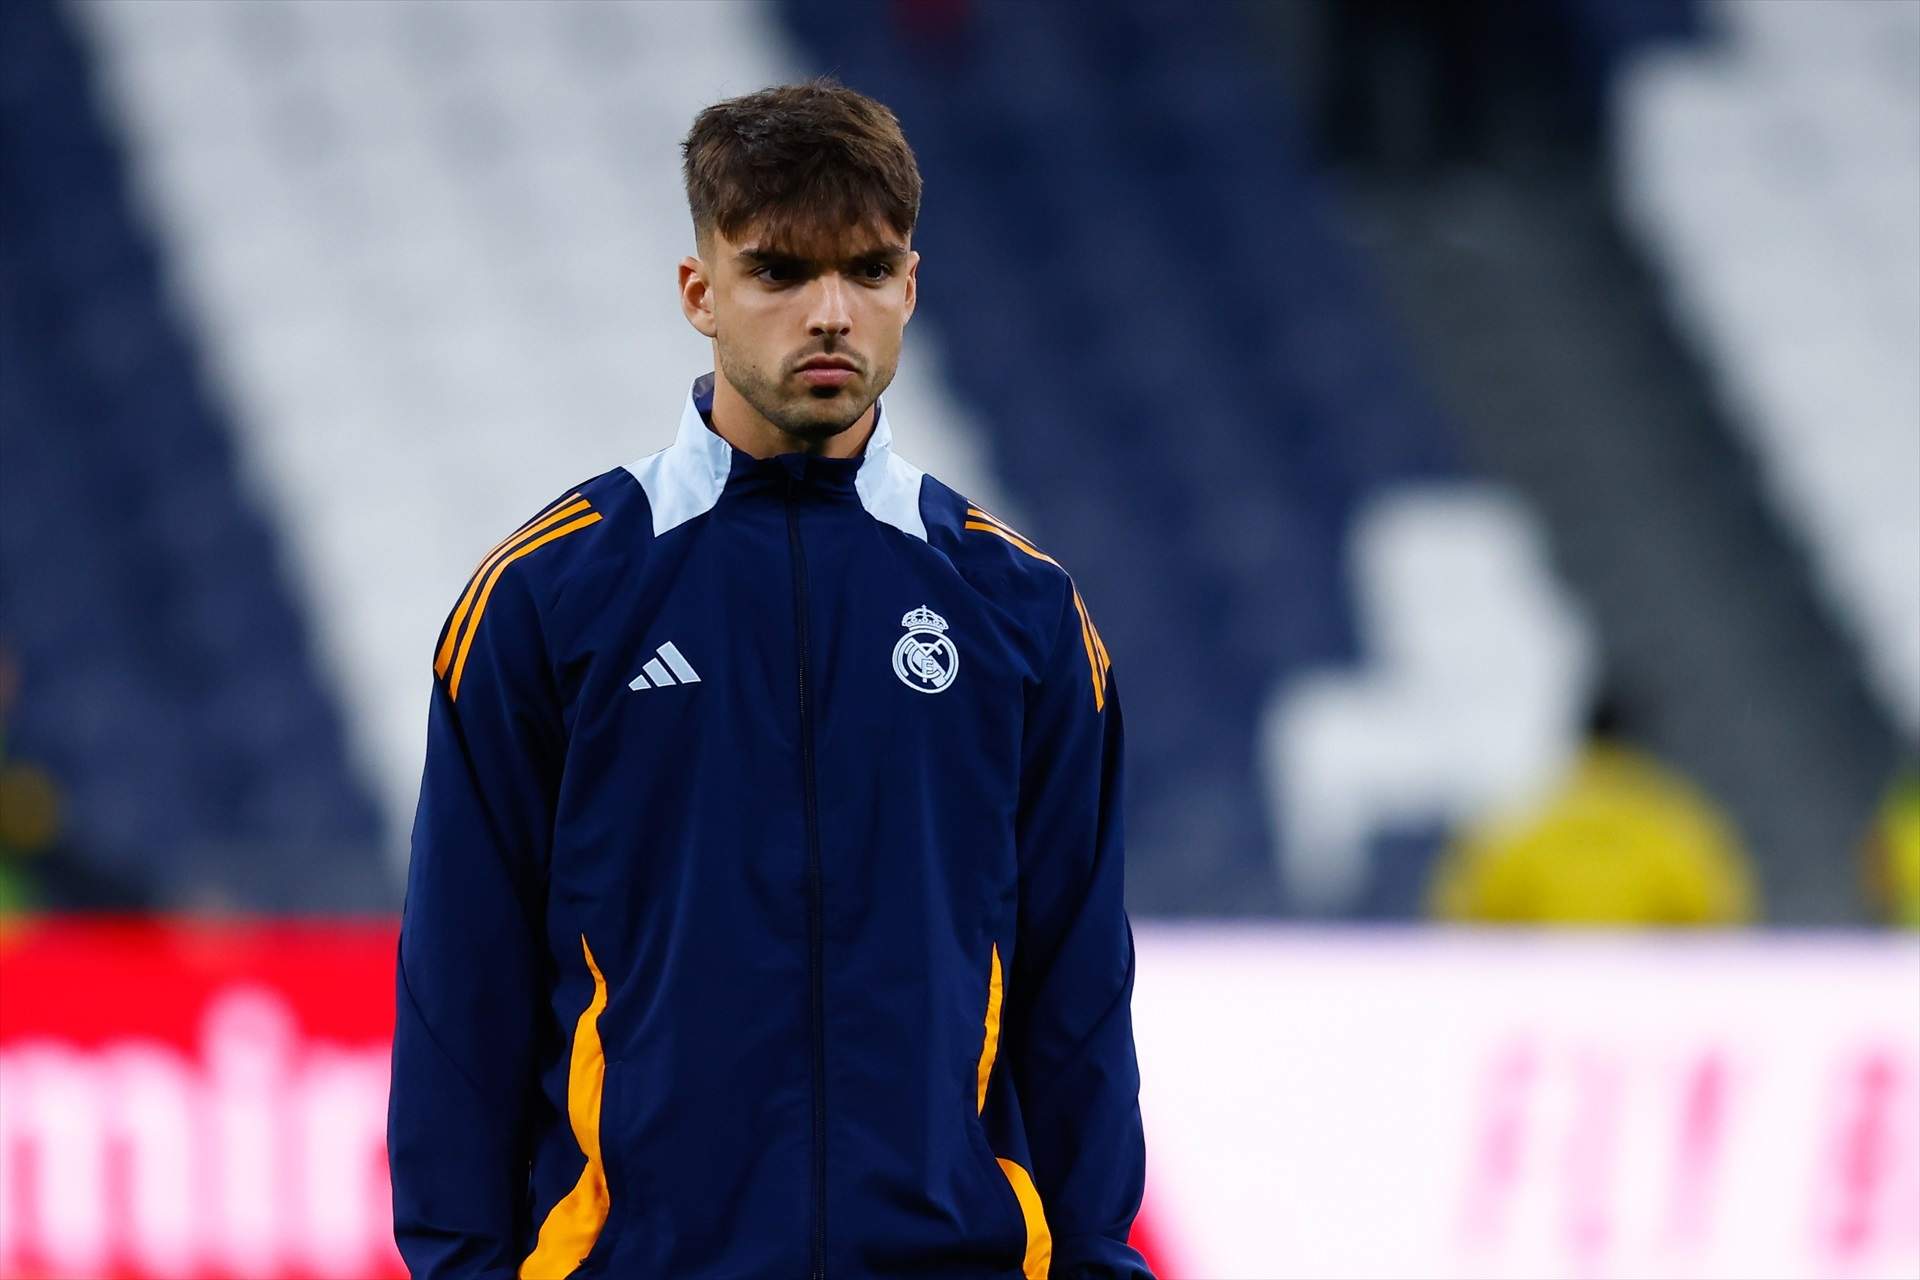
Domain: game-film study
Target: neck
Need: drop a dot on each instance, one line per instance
(748, 430)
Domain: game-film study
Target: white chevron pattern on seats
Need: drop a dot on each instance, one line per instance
(429, 249)
(1776, 176)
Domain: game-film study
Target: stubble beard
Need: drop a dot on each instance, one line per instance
(811, 417)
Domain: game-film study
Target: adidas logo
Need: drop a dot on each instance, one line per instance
(675, 669)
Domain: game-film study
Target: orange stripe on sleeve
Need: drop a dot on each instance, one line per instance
(1000, 524)
(539, 522)
(1093, 658)
(1015, 539)
(1098, 663)
(573, 502)
(547, 510)
(1100, 646)
(480, 606)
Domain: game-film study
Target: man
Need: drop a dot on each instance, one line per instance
(765, 917)
(1622, 840)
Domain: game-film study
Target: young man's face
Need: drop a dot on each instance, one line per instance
(808, 334)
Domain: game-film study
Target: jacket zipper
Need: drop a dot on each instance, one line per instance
(809, 791)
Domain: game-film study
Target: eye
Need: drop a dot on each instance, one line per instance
(875, 272)
(776, 272)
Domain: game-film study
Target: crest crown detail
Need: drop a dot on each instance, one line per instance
(924, 619)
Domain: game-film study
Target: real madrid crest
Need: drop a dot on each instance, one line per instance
(925, 658)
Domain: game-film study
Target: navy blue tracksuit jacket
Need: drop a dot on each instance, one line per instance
(764, 917)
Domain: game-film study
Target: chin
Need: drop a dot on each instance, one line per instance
(814, 429)
(820, 416)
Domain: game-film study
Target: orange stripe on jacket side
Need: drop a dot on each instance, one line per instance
(1039, 1238)
(480, 605)
(1039, 1256)
(1097, 660)
(992, 1045)
(551, 515)
(574, 1223)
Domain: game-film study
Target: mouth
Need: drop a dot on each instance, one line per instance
(827, 372)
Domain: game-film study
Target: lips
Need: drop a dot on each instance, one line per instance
(827, 371)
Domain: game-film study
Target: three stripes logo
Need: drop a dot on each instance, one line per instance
(569, 515)
(669, 667)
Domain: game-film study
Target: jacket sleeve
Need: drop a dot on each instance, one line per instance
(468, 984)
(1071, 1033)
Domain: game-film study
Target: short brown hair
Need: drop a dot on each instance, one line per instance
(797, 160)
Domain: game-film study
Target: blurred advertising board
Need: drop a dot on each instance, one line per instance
(181, 1100)
(1416, 1103)
(209, 1100)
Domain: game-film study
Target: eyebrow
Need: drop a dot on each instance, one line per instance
(892, 255)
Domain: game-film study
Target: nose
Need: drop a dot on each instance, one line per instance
(829, 315)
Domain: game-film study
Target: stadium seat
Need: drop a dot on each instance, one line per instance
(138, 585)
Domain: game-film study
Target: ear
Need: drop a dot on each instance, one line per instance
(913, 283)
(696, 296)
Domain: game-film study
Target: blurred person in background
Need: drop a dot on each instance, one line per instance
(28, 810)
(1623, 840)
(38, 871)
(1892, 853)
(766, 881)
(29, 816)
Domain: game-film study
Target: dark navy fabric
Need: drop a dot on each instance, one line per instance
(793, 875)
(1221, 388)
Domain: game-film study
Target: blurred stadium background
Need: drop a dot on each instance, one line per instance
(1488, 433)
